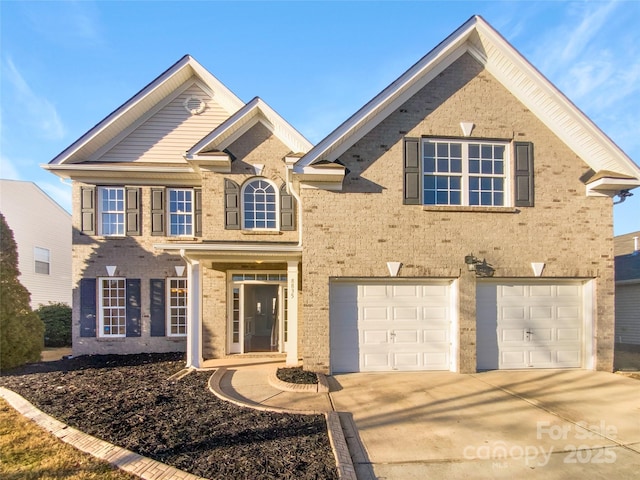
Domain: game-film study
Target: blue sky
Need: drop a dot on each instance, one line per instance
(65, 65)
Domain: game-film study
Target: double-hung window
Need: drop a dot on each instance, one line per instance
(177, 306)
(180, 212)
(111, 211)
(42, 257)
(260, 205)
(113, 310)
(465, 173)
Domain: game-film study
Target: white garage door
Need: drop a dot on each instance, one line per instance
(394, 326)
(529, 325)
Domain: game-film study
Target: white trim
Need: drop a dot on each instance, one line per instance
(276, 194)
(509, 67)
(186, 67)
(191, 213)
(454, 306)
(101, 308)
(169, 308)
(241, 121)
(99, 211)
(194, 314)
(232, 247)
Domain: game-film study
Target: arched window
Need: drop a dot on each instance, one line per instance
(259, 205)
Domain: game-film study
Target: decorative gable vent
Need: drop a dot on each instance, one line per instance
(194, 105)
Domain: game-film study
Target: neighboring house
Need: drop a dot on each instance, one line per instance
(42, 231)
(627, 261)
(212, 225)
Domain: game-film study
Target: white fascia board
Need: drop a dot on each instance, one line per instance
(382, 104)
(610, 186)
(223, 95)
(227, 247)
(240, 122)
(573, 138)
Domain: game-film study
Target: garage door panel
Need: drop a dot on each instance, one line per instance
(377, 361)
(435, 336)
(567, 334)
(397, 324)
(375, 337)
(374, 314)
(530, 325)
(406, 361)
(435, 360)
(405, 314)
(406, 336)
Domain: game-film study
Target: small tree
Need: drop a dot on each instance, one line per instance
(57, 324)
(21, 331)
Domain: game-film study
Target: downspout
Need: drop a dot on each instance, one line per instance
(292, 191)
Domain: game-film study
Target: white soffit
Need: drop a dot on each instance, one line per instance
(240, 122)
(141, 103)
(486, 45)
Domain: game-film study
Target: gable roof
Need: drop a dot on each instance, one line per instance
(240, 122)
(141, 103)
(509, 67)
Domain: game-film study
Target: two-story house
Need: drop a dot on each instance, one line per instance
(461, 220)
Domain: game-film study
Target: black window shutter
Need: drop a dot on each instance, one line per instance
(88, 307)
(133, 210)
(157, 310)
(88, 210)
(197, 211)
(523, 174)
(231, 205)
(412, 177)
(133, 308)
(287, 210)
(157, 211)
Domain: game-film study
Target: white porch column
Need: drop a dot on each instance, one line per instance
(292, 330)
(194, 320)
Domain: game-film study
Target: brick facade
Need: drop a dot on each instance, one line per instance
(355, 232)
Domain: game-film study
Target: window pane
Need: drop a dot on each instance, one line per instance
(429, 150)
(487, 151)
(455, 198)
(443, 165)
(474, 183)
(430, 197)
(474, 166)
(487, 167)
(429, 182)
(474, 150)
(498, 152)
(259, 204)
(442, 183)
(443, 150)
(456, 165)
(474, 198)
(485, 198)
(456, 150)
(455, 183)
(429, 165)
(498, 198)
(498, 167)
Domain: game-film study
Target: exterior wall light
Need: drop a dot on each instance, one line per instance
(482, 268)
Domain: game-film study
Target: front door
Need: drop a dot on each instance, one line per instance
(261, 329)
(257, 315)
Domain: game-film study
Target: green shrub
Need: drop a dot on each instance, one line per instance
(57, 324)
(21, 331)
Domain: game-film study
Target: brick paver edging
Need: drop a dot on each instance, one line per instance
(321, 387)
(122, 458)
(346, 471)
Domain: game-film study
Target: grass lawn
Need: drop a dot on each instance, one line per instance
(28, 452)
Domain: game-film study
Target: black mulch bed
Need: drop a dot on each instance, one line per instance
(129, 401)
(296, 375)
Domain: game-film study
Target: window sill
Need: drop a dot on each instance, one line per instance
(111, 339)
(181, 239)
(457, 208)
(258, 232)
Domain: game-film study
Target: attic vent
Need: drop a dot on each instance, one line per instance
(194, 105)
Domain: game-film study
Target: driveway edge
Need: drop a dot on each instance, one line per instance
(144, 467)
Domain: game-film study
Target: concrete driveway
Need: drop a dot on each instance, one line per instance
(502, 424)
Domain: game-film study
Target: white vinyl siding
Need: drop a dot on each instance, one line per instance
(628, 313)
(170, 132)
(37, 221)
